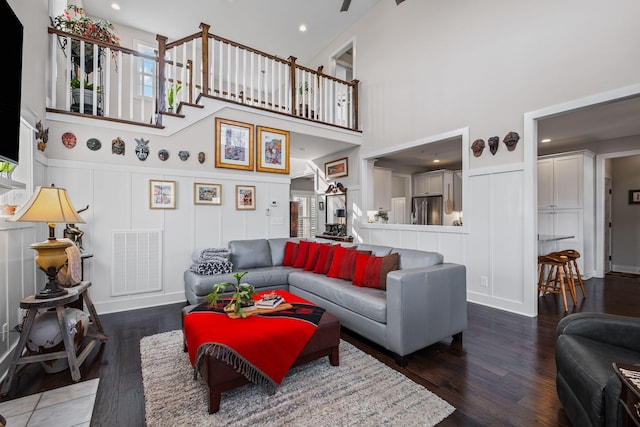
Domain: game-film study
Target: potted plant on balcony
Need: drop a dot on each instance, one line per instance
(75, 21)
(305, 91)
(88, 93)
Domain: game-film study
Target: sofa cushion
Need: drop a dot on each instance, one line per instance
(325, 256)
(278, 246)
(412, 258)
(263, 277)
(376, 250)
(290, 253)
(249, 254)
(371, 271)
(303, 253)
(368, 302)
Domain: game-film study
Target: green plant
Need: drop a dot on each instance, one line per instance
(242, 296)
(305, 88)
(174, 89)
(381, 214)
(75, 84)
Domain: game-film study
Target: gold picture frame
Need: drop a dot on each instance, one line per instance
(336, 168)
(162, 194)
(272, 150)
(245, 197)
(234, 145)
(207, 194)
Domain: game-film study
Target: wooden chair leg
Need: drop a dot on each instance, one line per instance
(579, 276)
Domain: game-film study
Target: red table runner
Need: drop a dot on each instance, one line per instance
(262, 347)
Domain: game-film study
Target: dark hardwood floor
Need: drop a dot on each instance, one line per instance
(503, 374)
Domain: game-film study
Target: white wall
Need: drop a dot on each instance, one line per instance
(625, 246)
(426, 69)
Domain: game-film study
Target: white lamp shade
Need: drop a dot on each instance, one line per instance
(48, 204)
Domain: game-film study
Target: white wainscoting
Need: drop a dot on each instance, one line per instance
(118, 199)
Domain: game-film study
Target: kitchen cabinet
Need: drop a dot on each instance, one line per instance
(560, 182)
(428, 183)
(566, 204)
(382, 181)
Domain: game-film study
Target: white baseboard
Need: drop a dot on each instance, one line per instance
(135, 302)
(626, 268)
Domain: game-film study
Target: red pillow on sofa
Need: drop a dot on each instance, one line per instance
(303, 253)
(290, 252)
(313, 256)
(325, 256)
(344, 262)
(338, 254)
(371, 271)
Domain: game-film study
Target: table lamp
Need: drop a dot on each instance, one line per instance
(50, 205)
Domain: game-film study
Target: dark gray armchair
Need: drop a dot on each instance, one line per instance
(587, 344)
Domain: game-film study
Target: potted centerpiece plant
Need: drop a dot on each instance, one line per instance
(241, 297)
(381, 216)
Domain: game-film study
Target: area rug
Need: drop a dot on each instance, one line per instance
(361, 391)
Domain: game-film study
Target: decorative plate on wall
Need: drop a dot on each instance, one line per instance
(94, 144)
(69, 140)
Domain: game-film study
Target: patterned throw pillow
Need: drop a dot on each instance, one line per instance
(344, 262)
(371, 271)
(290, 252)
(303, 253)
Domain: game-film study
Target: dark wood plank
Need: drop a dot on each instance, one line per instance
(502, 374)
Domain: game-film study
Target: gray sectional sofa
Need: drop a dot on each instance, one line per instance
(425, 300)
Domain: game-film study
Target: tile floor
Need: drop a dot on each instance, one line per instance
(62, 407)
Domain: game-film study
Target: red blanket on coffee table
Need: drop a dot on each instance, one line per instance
(262, 347)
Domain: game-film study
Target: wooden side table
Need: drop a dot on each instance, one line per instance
(630, 395)
(95, 333)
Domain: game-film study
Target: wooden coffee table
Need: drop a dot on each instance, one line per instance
(220, 376)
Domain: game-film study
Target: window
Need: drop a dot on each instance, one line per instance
(145, 75)
(306, 215)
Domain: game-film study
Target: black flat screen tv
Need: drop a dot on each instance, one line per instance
(11, 31)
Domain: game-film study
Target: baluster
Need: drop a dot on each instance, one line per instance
(220, 69)
(205, 58)
(229, 47)
(236, 74)
(251, 93)
(244, 76)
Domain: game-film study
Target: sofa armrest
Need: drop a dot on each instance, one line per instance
(425, 305)
(620, 331)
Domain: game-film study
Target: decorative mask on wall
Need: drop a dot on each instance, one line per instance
(163, 155)
(69, 140)
(94, 144)
(117, 146)
(184, 155)
(142, 149)
(477, 147)
(42, 135)
(201, 157)
(494, 142)
(511, 140)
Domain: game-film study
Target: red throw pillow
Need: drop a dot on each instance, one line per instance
(338, 254)
(290, 252)
(325, 255)
(312, 257)
(303, 252)
(371, 271)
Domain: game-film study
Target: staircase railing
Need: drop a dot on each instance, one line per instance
(103, 80)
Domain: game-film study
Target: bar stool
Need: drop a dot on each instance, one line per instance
(573, 255)
(557, 279)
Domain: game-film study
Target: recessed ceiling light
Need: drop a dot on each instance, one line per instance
(436, 161)
(545, 140)
(302, 28)
(115, 6)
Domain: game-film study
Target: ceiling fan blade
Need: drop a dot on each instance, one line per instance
(345, 5)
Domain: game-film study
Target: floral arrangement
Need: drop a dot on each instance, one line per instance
(75, 21)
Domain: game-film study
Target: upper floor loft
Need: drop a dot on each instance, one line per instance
(106, 81)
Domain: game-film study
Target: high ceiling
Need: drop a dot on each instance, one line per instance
(271, 26)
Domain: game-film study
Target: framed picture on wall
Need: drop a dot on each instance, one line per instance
(245, 197)
(234, 144)
(207, 194)
(634, 197)
(162, 194)
(336, 168)
(272, 150)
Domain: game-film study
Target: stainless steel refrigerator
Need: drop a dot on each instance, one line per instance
(426, 210)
